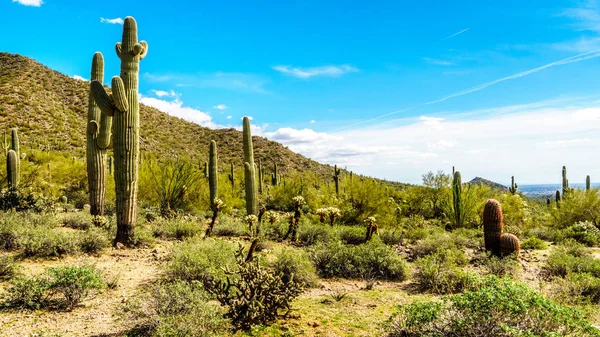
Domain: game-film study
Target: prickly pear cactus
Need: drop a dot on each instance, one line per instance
(251, 187)
(96, 144)
(509, 244)
(124, 108)
(493, 222)
(12, 173)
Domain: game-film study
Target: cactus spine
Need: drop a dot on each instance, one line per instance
(493, 222)
(12, 173)
(213, 179)
(513, 187)
(509, 244)
(457, 198)
(231, 177)
(95, 152)
(125, 111)
(565, 182)
(336, 179)
(588, 183)
(249, 170)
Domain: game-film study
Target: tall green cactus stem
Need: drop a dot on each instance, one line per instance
(110, 165)
(493, 223)
(588, 183)
(513, 187)
(213, 179)
(12, 173)
(231, 177)
(557, 198)
(251, 187)
(125, 109)
(15, 145)
(336, 179)
(260, 177)
(206, 170)
(275, 176)
(457, 199)
(565, 181)
(95, 152)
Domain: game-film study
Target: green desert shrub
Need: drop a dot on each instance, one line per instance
(494, 308)
(93, 240)
(176, 228)
(8, 267)
(45, 242)
(543, 233)
(391, 237)
(439, 273)
(27, 292)
(295, 262)
(501, 266)
(584, 232)
(310, 234)
(229, 226)
(352, 235)
(195, 259)
(442, 244)
(577, 206)
(577, 288)
(177, 308)
(78, 220)
(568, 259)
(534, 243)
(373, 258)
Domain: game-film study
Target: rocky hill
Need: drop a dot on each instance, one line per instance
(493, 185)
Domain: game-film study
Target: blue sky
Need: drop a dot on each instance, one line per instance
(360, 84)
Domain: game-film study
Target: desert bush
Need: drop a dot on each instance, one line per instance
(310, 234)
(577, 288)
(443, 244)
(516, 210)
(45, 242)
(534, 243)
(542, 233)
(297, 264)
(439, 273)
(14, 199)
(173, 180)
(8, 267)
(497, 308)
(93, 241)
(468, 237)
(584, 232)
(14, 226)
(571, 259)
(577, 206)
(71, 285)
(508, 266)
(176, 228)
(252, 293)
(176, 309)
(391, 237)
(229, 226)
(78, 220)
(473, 198)
(196, 259)
(372, 258)
(27, 292)
(352, 235)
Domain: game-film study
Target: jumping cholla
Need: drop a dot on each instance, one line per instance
(251, 219)
(271, 217)
(371, 227)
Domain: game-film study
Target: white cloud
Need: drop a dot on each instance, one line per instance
(437, 62)
(115, 21)
(162, 93)
(228, 117)
(312, 121)
(176, 108)
(220, 80)
(566, 142)
(329, 71)
(32, 3)
(79, 78)
(220, 107)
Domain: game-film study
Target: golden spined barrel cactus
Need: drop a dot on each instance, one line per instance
(509, 244)
(492, 226)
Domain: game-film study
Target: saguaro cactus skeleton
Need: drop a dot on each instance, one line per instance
(251, 187)
(96, 144)
(124, 108)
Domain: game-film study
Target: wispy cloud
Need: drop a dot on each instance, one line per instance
(455, 34)
(162, 93)
(79, 78)
(329, 71)
(115, 21)
(220, 80)
(177, 109)
(229, 117)
(32, 3)
(438, 62)
(220, 107)
(566, 142)
(568, 60)
(586, 17)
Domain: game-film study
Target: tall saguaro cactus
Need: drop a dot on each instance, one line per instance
(275, 176)
(15, 145)
(588, 183)
(457, 199)
(231, 177)
(12, 173)
(513, 187)
(336, 178)
(95, 149)
(123, 105)
(565, 181)
(249, 170)
(260, 177)
(213, 179)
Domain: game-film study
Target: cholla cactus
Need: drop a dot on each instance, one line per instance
(298, 201)
(216, 206)
(295, 220)
(371, 227)
(322, 213)
(271, 216)
(251, 219)
(333, 214)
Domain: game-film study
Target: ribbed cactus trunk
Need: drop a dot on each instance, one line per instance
(213, 179)
(275, 176)
(251, 187)
(15, 145)
(231, 177)
(124, 107)
(260, 177)
(565, 181)
(493, 222)
(457, 199)
(588, 183)
(513, 187)
(96, 155)
(557, 198)
(12, 174)
(336, 179)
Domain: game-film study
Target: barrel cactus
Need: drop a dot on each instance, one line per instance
(95, 149)
(509, 244)
(493, 222)
(123, 107)
(251, 187)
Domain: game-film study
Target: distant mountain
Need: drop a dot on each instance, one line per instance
(493, 185)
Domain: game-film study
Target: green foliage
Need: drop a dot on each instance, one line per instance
(176, 309)
(440, 273)
(577, 288)
(310, 233)
(502, 266)
(13, 199)
(94, 240)
(27, 292)
(534, 243)
(495, 308)
(8, 267)
(373, 258)
(441, 243)
(253, 294)
(351, 235)
(472, 199)
(176, 228)
(46, 242)
(577, 206)
(292, 262)
(569, 258)
(173, 182)
(230, 226)
(583, 232)
(196, 259)
(438, 189)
